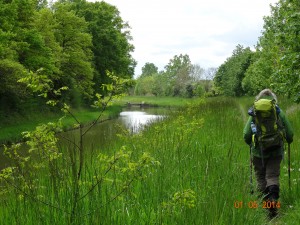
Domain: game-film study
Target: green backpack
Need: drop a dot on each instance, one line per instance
(268, 124)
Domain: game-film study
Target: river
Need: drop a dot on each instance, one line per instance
(103, 134)
(133, 119)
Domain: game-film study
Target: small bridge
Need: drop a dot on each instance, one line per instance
(141, 105)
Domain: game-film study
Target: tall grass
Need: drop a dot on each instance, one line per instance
(201, 150)
(290, 196)
(13, 125)
(203, 171)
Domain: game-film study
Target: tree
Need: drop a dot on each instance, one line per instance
(74, 43)
(231, 73)
(177, 73)
(46, 24)
(148, 83)
(8, 21)
(197, 72)
(21, 49)
(144, 85)
(76, 69)
(210, 73)
(110, 38)
(59, 182)
(279, 49)
(177, 64)
(149, 69)
(11, 92)
(258, 76)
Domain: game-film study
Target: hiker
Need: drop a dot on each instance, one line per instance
(266, 150)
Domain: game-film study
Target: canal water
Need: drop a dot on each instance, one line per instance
(132, 119)
(103, 134)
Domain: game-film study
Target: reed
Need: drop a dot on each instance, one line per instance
(190, 168)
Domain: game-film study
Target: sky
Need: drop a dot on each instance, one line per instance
(206, 30)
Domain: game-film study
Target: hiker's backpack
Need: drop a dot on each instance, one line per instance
(268, 124)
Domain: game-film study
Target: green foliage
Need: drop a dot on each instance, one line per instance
(231, 73)
(11, 72)
(177, 75)
(176, 80)
(177, 64)
(276, 64)
(149, 69)
(177, 171)
(43, 173)
(197, 72)
(257, 77)
(199, 90)
(76, 44)
(282, 32)
(72, 42)
(180, 201)
(46, 24)
(181, 78)
(110, 38)
(145, 86)
(11, 92)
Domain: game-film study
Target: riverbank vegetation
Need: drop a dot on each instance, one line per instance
(275, 61)
(192, 167)
(68, 46)
(73, 46)
(274, 64)
(13, 125)
(157, 101)
(180, 78)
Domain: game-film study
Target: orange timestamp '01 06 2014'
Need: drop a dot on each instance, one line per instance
(256, 204)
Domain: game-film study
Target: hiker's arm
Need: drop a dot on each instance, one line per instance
(288, 128)
(247, 131)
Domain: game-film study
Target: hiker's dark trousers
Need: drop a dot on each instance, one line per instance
(268, 174)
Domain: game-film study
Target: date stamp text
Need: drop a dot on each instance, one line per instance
(256, 204)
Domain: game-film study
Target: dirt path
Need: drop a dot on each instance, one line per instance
(244, 113)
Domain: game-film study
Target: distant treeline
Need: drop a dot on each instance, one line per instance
(180, 78)
(70, 43)
(275, 63)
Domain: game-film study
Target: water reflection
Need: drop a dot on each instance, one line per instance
(103, 135)
(134, 121)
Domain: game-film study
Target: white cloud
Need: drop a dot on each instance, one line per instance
(208, 31)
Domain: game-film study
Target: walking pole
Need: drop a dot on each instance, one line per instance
(289, 164)
(251, 180)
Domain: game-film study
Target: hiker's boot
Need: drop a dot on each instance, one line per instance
(264, 194)
(272, 197)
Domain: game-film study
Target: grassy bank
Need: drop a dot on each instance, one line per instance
(191, 168)
(12, 127)
(157, 101)
(11, 130)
